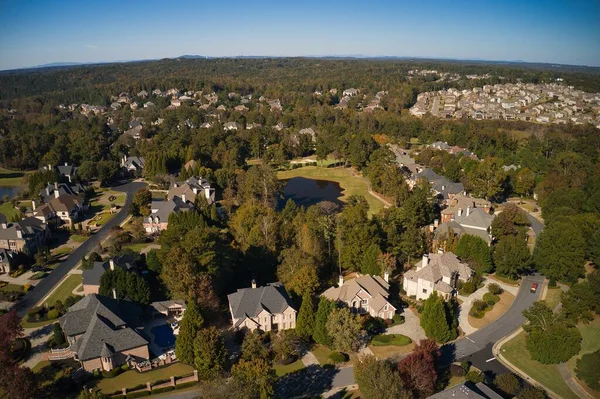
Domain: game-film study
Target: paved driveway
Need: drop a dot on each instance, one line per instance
(50, 281)
(411, 327)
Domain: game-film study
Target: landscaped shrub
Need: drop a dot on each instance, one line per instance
(456, 370)
(490, 298)
(468, 288)
(186, 385)
(479, 305)
(374, 325)
(495, 289)
(52, 314)
(391, 339)
(161, 390)
(338, 357)
(125, 367)
(96, 374)
(398, 319)
(389, 322)
(37, 276)
(508, 383)
(112, 373)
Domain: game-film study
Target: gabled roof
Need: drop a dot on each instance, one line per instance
(439, 266)
(373, 286)
(29, 227)
(250, 302)
(477, 218)
(92, 276)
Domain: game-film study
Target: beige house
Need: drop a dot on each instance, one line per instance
(7, 259)
(266, 308)
(27, 234)
(64, 209)
(101, 333)
(436, 272)
(365, 295)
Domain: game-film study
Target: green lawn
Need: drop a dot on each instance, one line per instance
(590, 334)
(390, 339)
(322, 354)
(58, 252)
(553, 297)
(350, 185)
(8, 210)
(137, 247)
(132, 378)
(11, 287)
(281, 369)
(516, 353)
(65, 289)
(79, 237)
(36, 324)
(11, 177)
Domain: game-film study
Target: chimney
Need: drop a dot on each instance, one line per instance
(424, 262)
(66, 164)
(436, 223)
(468, 210)
(19, 233)
(340, 281)
(47, 190)
(460, 211)
(183, 197)
(33, 204)
(49, 167)
(114, 293)
(56, 193)
(111, 263)
(386, 276)
(253, 283)
(4, 226)
(440, 251)
(195, 190)
(443, 188)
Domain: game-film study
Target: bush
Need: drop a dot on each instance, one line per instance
(33, 311)
(508, 383)
(468, 288)
(125, 367)
(338, 357)
(389, 322)
(475, 376)
(186, 385)
(456, 370)
(112, 373)
(53, 314)
(391, 339)
(479, 305)
(96, 374)
(398, 319)
(490, 298)
(532, 393)
(374, 325)
(495, 289)
(161, 390)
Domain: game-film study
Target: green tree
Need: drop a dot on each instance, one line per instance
(305, 322)
(345, 329)
(189, 326)
(377, 379)
(476, 252)
(141, 202)
(320, 333)
(511, 221)
(434, 319)
(588, 371)
(562, 262)
(253, 346)
(525, 182)
(508, 383)
(88, 262)
(285, 345)
(257, 378)
(210, 354)
(488, 179)
(532, 393)
(511, 256)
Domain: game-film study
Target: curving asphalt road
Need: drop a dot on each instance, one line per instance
(49, 282)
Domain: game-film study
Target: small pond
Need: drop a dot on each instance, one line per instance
(163, 336)
(9, 191)
(307, 192)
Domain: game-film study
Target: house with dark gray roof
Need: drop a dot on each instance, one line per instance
(133, 165)
(26, 234)
(442, 187)
(265, 308)
(66, 170)
(101, 333)
(467, 390)
(92, 277)
(55, 190)
(158, 220)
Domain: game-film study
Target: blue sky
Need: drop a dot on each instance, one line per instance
(34, 32)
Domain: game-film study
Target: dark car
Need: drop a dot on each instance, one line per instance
(534, 288)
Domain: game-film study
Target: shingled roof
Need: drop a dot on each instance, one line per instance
(105, 324)
(249, 302)
(438, 266)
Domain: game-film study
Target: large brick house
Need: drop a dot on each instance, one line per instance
(25, 235)
(101, 333)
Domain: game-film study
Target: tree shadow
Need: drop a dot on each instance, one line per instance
(447, 355)
(311, 381)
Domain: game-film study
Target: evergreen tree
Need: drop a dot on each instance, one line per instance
(434, 319)
(188, 331)
(306, 318)
(320, 334)
(210, 354)
(476, 252)
(511, 256)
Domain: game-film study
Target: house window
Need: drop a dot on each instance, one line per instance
(385, 307)
(363, 302)
(424, 290)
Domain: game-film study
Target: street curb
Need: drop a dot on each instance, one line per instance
(498, 355)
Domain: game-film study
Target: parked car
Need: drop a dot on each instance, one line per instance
(534, 288)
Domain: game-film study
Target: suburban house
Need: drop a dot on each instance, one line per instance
(7, 259)
(63, 209)
(364, 294)
(473, 221)
(91, 277)
(440, 185)
(189, 189)
(265, 308)
(158, 220)
(467, 390)
(101, 333)
(55, 190)
(350, 92)
(173, 308)
(459, 204)
(27, 234)
(230, 126)
(133, 165)
(436, 272)
(66, 170)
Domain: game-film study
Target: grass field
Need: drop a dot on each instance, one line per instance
(590, 334)
(350, 185)
(281, 369)
(390, 339)
(65, 289)
(11, 177)
(8, 210)
(132, 378)
(516, 353)
(553, 297)
(322, 354)
(136, 247)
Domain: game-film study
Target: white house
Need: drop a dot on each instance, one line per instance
(436, 272)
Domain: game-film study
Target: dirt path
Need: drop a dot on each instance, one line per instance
(370, 189)
(565, 373)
